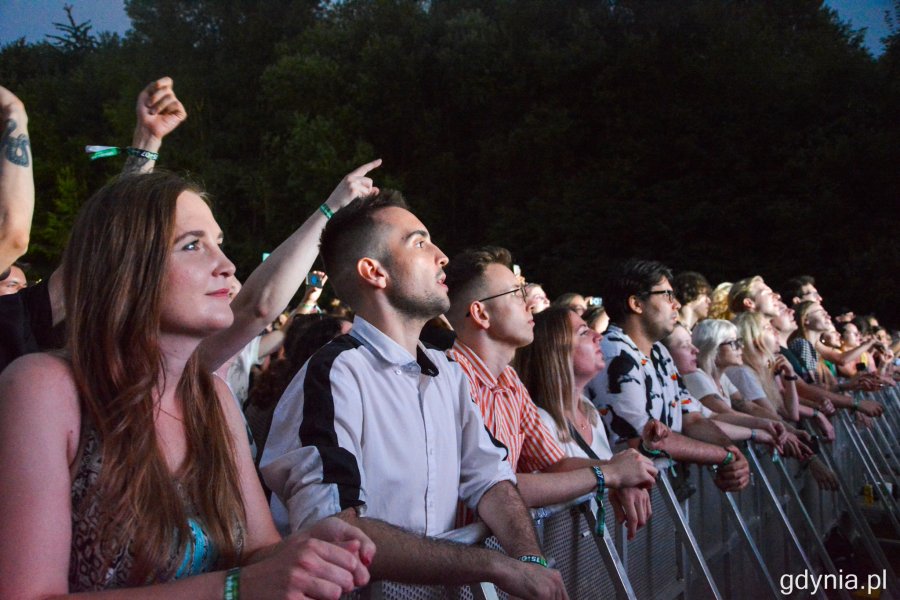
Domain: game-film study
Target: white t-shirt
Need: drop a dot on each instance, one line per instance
(599, 443)
(238, 377)
(747, 382)
(700, 385)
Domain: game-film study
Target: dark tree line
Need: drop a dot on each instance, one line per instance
(729, 137)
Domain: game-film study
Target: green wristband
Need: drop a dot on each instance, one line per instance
(729, 458)
(534, 559)
(600, 527)
(326, 211)
(232, 584)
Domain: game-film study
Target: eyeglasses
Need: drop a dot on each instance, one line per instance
(520, 290)
(735, 344)
(669, 294)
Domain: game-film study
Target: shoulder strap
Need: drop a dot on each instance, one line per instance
(581, 443)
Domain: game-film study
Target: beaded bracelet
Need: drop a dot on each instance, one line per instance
(232, 584)
(534, 559)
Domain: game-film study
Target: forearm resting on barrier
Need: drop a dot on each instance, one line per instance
(410, 558)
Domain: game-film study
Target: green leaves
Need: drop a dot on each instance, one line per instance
(725, 137)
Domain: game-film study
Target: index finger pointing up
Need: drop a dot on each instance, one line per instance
(363, 169)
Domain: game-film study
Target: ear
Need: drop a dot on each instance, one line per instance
(749, 304)
(635, 305)
(372, 272)
(479, 315)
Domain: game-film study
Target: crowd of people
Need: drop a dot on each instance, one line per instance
(193, 436)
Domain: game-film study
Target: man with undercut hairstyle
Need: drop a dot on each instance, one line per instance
(641, 382)
(382, 431)
(489, 313)
(692, 292)
(753, 295)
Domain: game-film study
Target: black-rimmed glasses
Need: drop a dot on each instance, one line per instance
(669, 294)
(735, 344)
(516, 290)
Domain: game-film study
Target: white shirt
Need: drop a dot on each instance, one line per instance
(700, 385)
(238, 376)
(746, 380)
(599, 442)
(365, 424)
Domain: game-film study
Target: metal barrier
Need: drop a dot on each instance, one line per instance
(716, 545)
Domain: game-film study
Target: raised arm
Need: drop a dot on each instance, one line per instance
(270, 287)
(159, 112)
(846, 357)
(16, 180)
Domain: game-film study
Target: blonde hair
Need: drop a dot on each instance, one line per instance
(707, 336)
(718, 307)
(740, 291)
(751, 327)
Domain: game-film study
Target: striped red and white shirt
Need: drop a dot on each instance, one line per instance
(509, 413)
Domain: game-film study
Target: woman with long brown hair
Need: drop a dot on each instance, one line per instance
(124, 462)
(555, 368)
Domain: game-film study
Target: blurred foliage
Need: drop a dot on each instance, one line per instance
(728, 137)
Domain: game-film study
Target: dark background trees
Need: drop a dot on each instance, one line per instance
(727, 137)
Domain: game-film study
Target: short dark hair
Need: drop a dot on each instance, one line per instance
(690, 285)
(862, 323)
(353, 233)
(465, 271)
(631, 278)
(793, 287)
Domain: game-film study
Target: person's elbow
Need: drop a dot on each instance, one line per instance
(14, 243)
(259, 310)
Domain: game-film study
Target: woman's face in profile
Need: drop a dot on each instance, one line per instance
(683, 351)
(587, 357)
(199, 277)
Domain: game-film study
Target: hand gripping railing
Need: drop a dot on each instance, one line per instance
(696, 560)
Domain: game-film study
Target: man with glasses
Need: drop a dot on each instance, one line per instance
(641, 382)
(381, 431)
(488, 311)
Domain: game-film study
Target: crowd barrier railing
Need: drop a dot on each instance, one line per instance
(712, 544)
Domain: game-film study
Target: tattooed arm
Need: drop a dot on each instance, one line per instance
(159, 112)
(16, 180)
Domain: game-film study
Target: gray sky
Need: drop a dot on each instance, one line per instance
(34, 18)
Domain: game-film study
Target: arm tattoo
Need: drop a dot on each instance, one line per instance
(135, 164)
(15, 149)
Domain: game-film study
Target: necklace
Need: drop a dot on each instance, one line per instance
(170, 414)
(582, 423)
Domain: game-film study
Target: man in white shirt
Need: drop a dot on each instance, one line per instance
(382, 431)
(641, 382)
